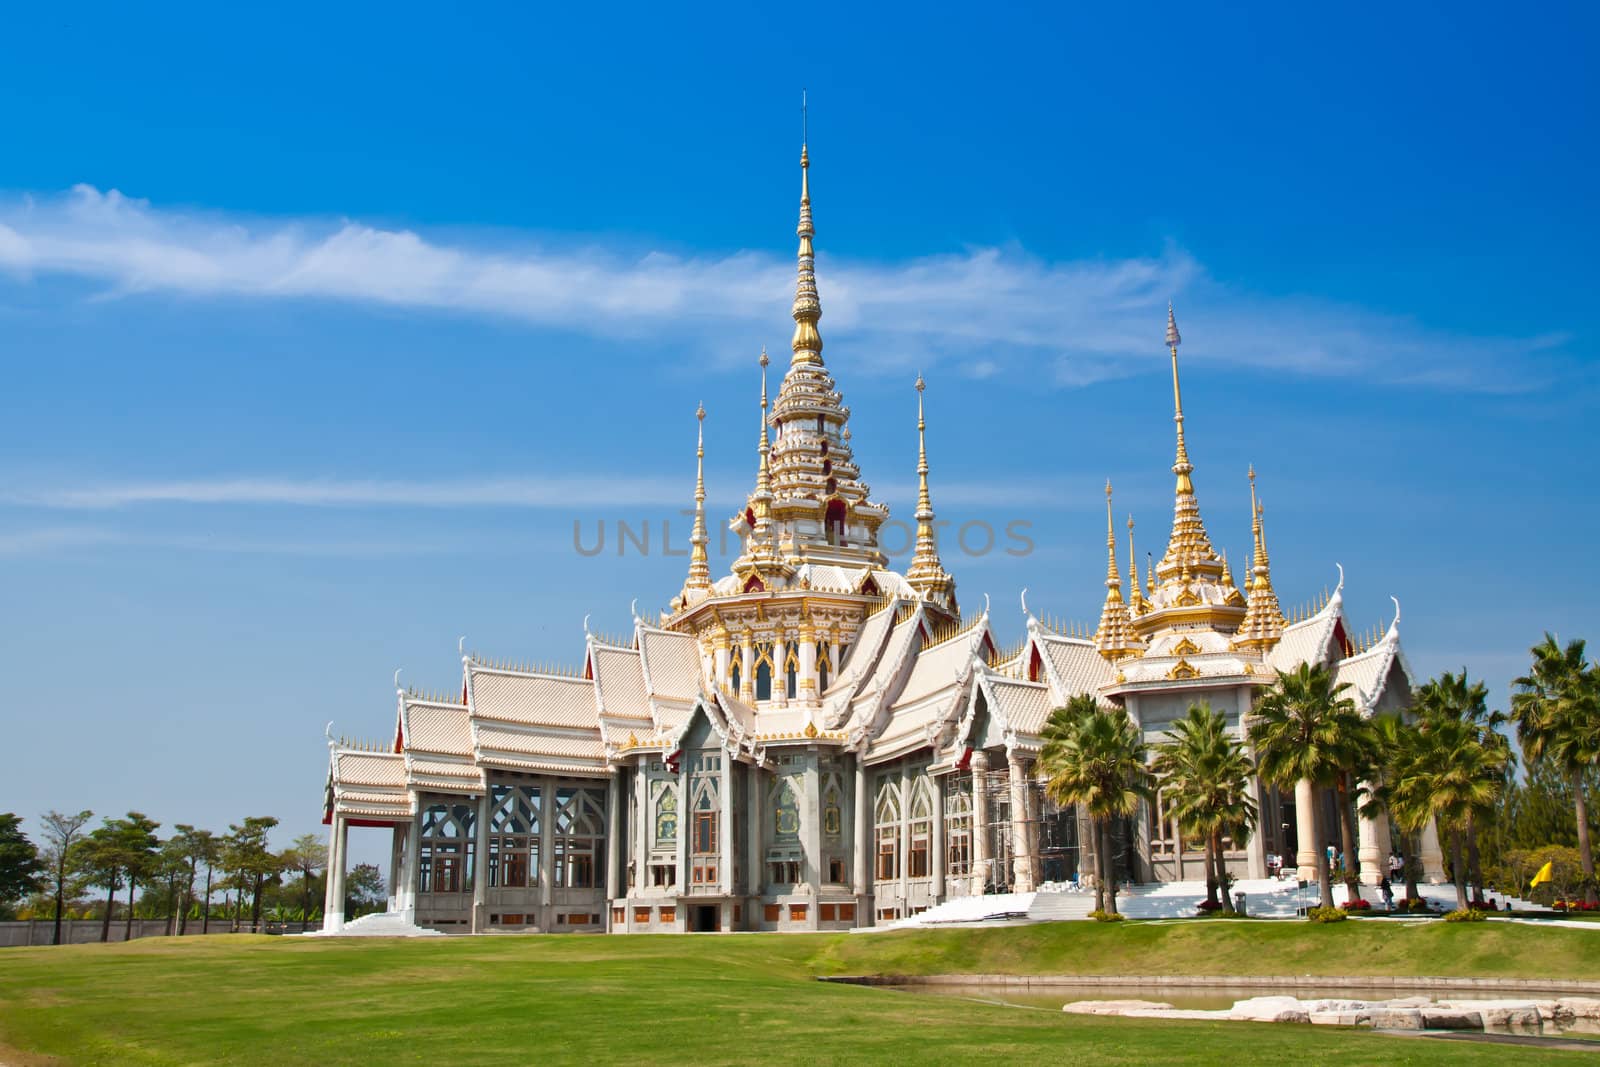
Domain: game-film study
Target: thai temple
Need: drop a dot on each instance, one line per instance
(814, 741)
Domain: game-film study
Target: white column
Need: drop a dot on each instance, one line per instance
(811, 834)
(937, 859)
(643, 827)
(722, 664)
(397, 848)
(1432, 855)
(756, 828)
(412, 867)
(1305, 821)
(861, 862)
(1021, 876)
(685, 823)
(333, 897)
(547, 851)
(1034, 828)
(614, 888)
(480, 866)
(747, 669)
(980, 822)
(807, 689)
(725, 842)
(1373, 850)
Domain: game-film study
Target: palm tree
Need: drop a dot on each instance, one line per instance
(1095, 756)
(1557, 711)
(1300, 732)
(1451, 696)
(1392, 740)
(1205, 775)
(1447, 772)
(1357, 752)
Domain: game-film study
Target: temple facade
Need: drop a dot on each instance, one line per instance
(815, 741)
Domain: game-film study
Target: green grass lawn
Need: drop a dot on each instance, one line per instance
(717, 999)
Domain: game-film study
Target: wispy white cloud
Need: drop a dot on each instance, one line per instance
(632, 496)
(328, 493)
(986, 311)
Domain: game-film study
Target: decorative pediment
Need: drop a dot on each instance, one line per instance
(1185, 647)
(1187, 598)
(1183, 669)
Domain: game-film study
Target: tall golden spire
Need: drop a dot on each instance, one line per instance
(926, 573)
(1114, 637)
(699, 561)
(1189, 552)
(807, 342)
(1263, 621)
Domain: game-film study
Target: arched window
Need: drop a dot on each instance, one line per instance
(832, 814)
(958, 828)
(824, 666)
(666, 814)
(887, 824)
(918, 861)
(791, 673)
(514, 836)
(785, 809)
(763, 672)
(735, 672)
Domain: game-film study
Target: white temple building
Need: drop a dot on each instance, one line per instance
(814, 741)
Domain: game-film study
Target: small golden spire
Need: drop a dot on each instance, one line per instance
(926, 573)
(699, 561)
(1189, 553)
(763, 475)
(1135, 594)
(1114, 637)
(1264, 620)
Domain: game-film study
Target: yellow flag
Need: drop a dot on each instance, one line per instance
(1543, 875)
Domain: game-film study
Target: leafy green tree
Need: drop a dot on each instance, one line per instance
(306, 856)
(1300, 731)
(1445, 771)
(1205, 776)
(1392, 741)
(21, 870)
(1095, 757)
(1556, 707)
(195, 847)
(101, 862)
(1452, 696)
(63, 838)
(251, 860)
(363, 890)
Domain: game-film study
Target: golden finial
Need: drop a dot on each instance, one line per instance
(1114, 637)
(807, 342)
(699, 561)
(763, 479)
(1173, 341)
(1113, 577)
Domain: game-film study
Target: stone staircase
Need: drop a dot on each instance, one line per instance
(381, 924)
(1057, 907)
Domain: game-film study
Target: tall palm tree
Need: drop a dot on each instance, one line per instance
(1392, 741)
(1357, 749)
(1095, 757)
(1300, 732)
(1556, 707)
(1447, 772)
(1205, 776)
(1452, 696)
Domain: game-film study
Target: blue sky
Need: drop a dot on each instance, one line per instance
(321, 329)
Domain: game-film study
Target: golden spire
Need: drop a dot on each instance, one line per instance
(1135, 594)
(699, 562)
(1114, 637)
(1263, 621)
(926, 573)
(807, 342)
(763, 472)
(1189, 552)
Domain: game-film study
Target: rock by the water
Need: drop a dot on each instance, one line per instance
(1269, 1010)
(1114, 1007)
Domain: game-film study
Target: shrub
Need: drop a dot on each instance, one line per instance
(1416, 905)
(1466, 915)
(1206, 906)
(1105, 916)
(1358, 905)
(1327, 915)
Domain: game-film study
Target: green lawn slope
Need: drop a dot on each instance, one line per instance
(716, 999)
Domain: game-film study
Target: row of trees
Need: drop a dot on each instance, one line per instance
(178, 876)
(1444, 761)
